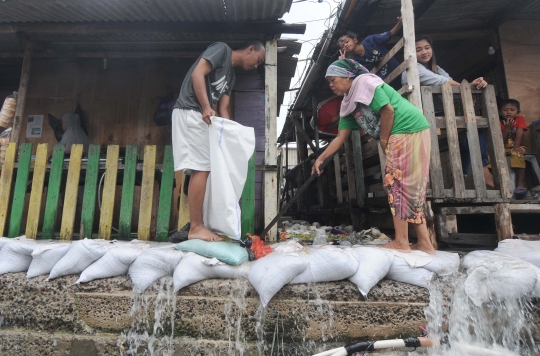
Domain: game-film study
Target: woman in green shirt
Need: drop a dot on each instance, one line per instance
(404, 136)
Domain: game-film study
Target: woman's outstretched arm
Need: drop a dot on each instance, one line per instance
(335, 145)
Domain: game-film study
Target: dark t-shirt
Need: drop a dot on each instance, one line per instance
(374, 52)
(218, 82)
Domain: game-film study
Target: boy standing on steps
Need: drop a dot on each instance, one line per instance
(513, 125)
(207, 84)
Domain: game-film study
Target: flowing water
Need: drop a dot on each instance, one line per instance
(503, 326)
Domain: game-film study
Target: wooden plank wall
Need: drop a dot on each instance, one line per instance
(118, 102)
(520, 45)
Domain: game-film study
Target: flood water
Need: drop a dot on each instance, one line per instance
(500, 327)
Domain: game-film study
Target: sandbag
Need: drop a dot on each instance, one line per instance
(115, 262)
(374, 264)
(227, 252)
(444, 263)
(16, 256)
(81, 254)
(269, 274)
(194, 268)
(231, 147)
(4, 240)
(526, 250)
(494, 276)
(400, 271)
(153, 264)
(44, 257)
(327, 264)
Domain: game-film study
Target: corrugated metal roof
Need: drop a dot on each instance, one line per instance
(141, 10)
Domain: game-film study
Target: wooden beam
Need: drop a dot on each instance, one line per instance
(388, 56)
(23, 89)
(503, 221)
(270, 134)
(397, 72)
(409, 52)
(153, 27)
(306, 137)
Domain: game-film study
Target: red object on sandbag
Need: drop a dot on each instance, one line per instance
(258, 248)
(328, 115)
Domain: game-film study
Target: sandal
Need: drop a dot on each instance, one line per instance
(520, 192)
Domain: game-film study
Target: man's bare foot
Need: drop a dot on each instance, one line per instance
(202, 233)
(393, 245)
(424, 247)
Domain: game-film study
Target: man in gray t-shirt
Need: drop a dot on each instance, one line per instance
(207, 85)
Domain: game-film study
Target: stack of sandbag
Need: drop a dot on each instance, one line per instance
(373, 265)
(7, 112)
(419, 268)
(327, 264)
(152, 264)
(492, 276)
(115, 262)
(526, 250)
(45, 256)
(80, 255)
(194, 268)
(270, 273)
(16, 255)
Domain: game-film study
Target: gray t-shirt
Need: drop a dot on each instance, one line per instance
(218, 82)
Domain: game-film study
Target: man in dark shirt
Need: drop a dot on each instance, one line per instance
(207, 85)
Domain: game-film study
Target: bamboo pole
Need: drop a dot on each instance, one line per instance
(23, 88)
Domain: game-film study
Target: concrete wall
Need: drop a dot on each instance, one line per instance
(60, 318)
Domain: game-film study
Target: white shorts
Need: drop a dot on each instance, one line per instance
(191, 149)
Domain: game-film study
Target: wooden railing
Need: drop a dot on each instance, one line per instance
(41, 219)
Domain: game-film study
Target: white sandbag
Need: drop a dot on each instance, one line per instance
(231, 147)
(194, 268)
(115, 262)
(444, 263)
(153, 264)
(16, 255)
(374, 264)
(494, 276)
(270, 273)
(45, 256)
(327, 264)
(526, 250)
(400, 271)
(80, 255)
(4, 240)
(289, 246)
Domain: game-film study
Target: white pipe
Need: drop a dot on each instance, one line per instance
(388, 344)
(329, 352)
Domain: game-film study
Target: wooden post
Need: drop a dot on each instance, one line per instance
(23, 88)
(316, 125)
(270, 141)
(409, 52)
(503, 221)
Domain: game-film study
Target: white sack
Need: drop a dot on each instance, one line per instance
(4, 240)
(494, 276)
(400, 271)
(374, 264)
(526, 250)
(270, 273)
(444, 263)
(231, 147)
(327, 264)
(80, 255)
(16, 255)
(44, 257)
(152, 264)
(194, 268)
(115, 262)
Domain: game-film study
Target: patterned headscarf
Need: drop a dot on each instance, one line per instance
(347, 68)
